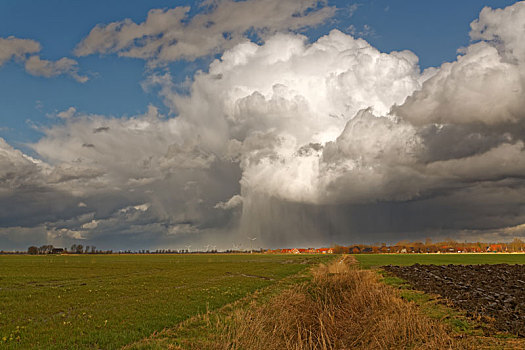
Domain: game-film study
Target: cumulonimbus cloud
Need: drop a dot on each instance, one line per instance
(300, 142)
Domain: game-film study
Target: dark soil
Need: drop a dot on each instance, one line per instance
(484, 291)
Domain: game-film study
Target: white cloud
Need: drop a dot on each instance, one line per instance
(58, 236)
(24, 50)
(90, 225)
(486, 83)
(12, 47)
(233, 202)
(479, 87)
(36, 66)
(366, 31)
(504, 29)
(277, 98)
(170, 34)
(68, 113)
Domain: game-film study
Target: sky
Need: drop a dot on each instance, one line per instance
(158, 124)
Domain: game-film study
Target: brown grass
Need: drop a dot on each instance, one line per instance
(342, 308)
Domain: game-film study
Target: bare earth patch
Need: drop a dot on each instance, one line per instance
(494, 293)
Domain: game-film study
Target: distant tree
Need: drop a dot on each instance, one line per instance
(86, 249)
(93, 249)
(73, 248)
(45, 249)
(403, 243)
(32, 250)
(418, 246)
(433, 248)
(450, 242)
(79, 248)
(516, 245)
(481, 246)
(338, 249)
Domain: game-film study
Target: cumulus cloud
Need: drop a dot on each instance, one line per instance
(366, 31)
(171, 34)
(485, 84)
(502, 28)
(66, 114)
(469, 113)
(36, 66)
(233, 202)
(294, 143)
(25, 50)
(12, 47)
(278, 104)
(480, 87)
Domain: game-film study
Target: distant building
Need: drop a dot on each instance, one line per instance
(496, 248)
(325, 250)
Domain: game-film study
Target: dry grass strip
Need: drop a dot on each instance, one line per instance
(342, 308)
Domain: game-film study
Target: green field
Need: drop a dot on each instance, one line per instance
(106, 301)
(375, 260)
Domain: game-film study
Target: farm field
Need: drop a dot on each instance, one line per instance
(376, 260)
(495, 292)
(481, 287)
(326, 312)
(106, 301)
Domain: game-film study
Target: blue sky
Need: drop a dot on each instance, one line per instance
(432, 30)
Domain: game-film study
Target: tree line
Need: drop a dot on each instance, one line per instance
(446, 246)
(75, 249)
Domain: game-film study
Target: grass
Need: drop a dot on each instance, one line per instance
(336, 306)
(342, 308)
(481, 334)
(432, 306)
(376, 260)
(203, 331)
(225, 302)
(339, 307)
(99, 301)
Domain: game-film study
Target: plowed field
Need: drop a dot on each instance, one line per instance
(494, 292)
